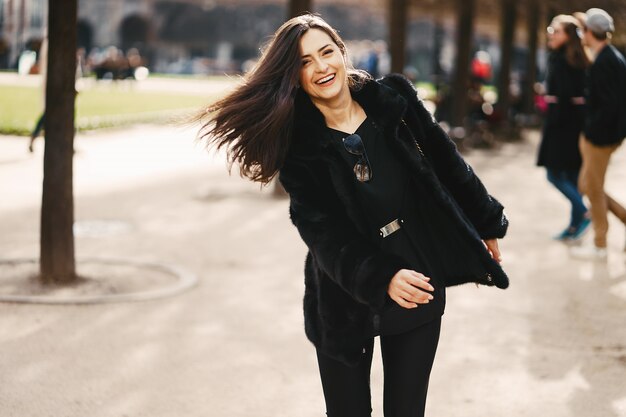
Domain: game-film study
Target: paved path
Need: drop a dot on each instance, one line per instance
(554, 344)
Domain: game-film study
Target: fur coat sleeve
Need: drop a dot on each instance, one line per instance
(484, 212)
(343, 254)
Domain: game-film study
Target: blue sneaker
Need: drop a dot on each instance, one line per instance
(565, 234)
(580, 230)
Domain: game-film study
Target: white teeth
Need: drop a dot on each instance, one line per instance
(326, 79)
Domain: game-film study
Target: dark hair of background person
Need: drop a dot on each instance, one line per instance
(255, 121)
(574, 51)
(601, 36)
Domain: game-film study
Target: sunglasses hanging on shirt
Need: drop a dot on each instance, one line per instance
(354, 145)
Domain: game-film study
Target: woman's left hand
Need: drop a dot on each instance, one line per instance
(492, 247)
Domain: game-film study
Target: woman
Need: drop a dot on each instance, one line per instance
(558, 151)
(390, 212)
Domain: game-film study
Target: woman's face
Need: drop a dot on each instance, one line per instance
(323, 73)
(556, 36)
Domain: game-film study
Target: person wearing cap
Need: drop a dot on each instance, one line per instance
(605, 127)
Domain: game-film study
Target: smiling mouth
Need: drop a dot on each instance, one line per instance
(326, 79)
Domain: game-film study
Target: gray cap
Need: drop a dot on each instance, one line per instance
(599, 21)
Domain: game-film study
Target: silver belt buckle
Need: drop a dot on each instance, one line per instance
(391, 227)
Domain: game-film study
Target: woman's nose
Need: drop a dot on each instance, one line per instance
(321, 66)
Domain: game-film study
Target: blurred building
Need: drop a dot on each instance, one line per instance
(22, 26)
(217, 36)
(189, 36)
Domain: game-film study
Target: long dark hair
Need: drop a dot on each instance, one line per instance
(255, 121)
(574, 51)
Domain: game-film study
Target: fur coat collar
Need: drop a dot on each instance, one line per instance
(379, 101)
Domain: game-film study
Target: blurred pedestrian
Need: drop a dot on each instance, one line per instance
(481, 66)
(605, 127)
(134, 61)
(564, 97)
(113, 65)
(390, 212)
(43, 71)
(43, 67)
(371, 60)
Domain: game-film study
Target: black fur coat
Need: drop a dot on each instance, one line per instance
(346, 274)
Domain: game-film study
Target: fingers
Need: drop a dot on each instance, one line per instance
(418, 280)
(408, 289)
(492, 246)
(413, 294)
(403, 303)
(410, 300)
(495, 251)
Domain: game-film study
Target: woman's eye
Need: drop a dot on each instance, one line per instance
(305, 63)
(328, 51)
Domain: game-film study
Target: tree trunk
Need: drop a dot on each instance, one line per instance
(398, 10)
(464, 34)
(298, 7)
(551, 14)
(57, 264)
(507, 33)
(438, 37)
(532, 19)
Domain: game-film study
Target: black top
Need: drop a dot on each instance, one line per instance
(564, 119)
(390, 193)
(383, 194)
(605, 123)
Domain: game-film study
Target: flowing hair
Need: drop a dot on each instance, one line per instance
(574, 51)
(255, 121)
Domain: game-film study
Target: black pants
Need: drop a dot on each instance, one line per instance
(39, 126)
(407, 361)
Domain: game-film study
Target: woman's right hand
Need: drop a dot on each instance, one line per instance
(408, 288)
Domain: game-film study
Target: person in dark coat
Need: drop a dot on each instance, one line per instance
(605, 127)
(390, 212)
(559, 151)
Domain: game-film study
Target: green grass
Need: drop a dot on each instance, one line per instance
(194, 76)
(427, 89)
(21, 106)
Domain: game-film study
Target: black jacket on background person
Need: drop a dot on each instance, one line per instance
(346, 274)
(564, 119)
(605, 123)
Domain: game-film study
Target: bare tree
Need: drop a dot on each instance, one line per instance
(297, 7)
(57, 263)
(533, 16)
(464, 33)
(398, 10)
(507, 33)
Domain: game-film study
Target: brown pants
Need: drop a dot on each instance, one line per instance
(591, 183)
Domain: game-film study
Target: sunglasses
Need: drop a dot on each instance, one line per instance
(551, 30)
(354, 145)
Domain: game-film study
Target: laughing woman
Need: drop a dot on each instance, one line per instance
(389, 211)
